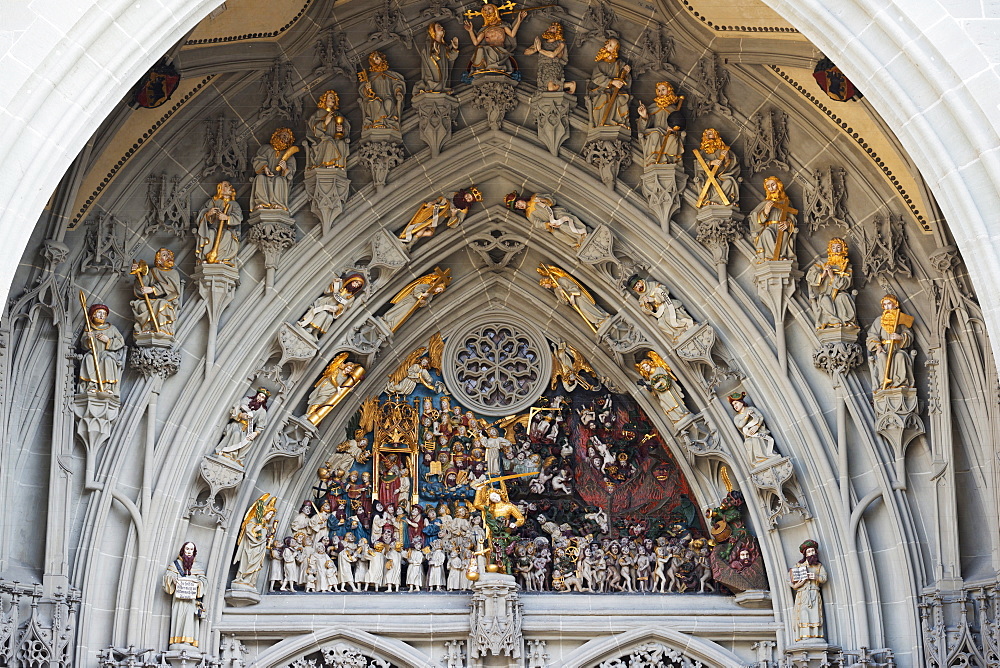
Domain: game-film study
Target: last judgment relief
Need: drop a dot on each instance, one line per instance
(576, 493)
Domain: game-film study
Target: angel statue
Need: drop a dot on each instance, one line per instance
(431, 214)
(332, 304)
(541, 211)
(254, 540)
(569, 291)
(655, 299)
(416, 369)
(336, 383)
(568, 365)
(661, 381)
(500, 516)
(415, 295)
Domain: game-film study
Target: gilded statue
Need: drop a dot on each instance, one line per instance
(416, 295)
(104, 351)
(337, 381)
(717, 171)
(416, 369)
(219, 227)
(274, 167)
(662, 382)
(432, 214)
(661, 127)
(500, 516)
(334, 302)
(381, 94)
(569, 291)
(830, 288)
(888, 340)
(542, 212)
(328, 134)
(437, 57)
(254, 540)
(608, 91)
(157, 290)
(494, 43)
(553, 56)
(774, 221)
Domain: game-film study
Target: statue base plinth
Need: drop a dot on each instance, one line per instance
(263, 216)
(183, 656)
(95, 412)
(838, 334)
(241, 595)
(758, 599)
(391, 135)
(154, 339)
(327, 189)
(436, 113)
(609, 133)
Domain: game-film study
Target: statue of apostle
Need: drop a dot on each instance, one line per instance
(552, 59)
(806, 578)
(569, 291)
(381, 94)
(436, 60)
(327, 135)
(253, 542)
(607, 94)
(717, 171)
(830, 288)
(274, 167)
(661, 127)
(655, 299)
(104, 353)
(494, 42)
(337, 381)
(541, 211)
(431, 214)
(774, 220)
(247, 421)
(185, 582)
(333, 303)
(219, 227)
(888, 340)
(756, 436)
(157, 291)
(416, 295)
(662, 382)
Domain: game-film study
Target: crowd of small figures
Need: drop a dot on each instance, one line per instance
(433, 549)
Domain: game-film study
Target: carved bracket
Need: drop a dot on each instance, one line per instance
(327, 190)
(897, 421)
(719, 226)
(154, 361)
(662, 185)
(775, 482)
(221, 473)
(496, 617)
(380, 157)
(609, 157)
(436, 114)
(293, 439)
(551, 113)
(272, 231)
(495, 95)
(621, 335)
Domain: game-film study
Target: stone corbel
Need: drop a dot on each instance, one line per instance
(621, 336)
(719, 226)
(774, 481)
(839, 350)
(154, 361)
(366, 338)
(272, 231)
(775, 280)
(662, 184)
(695, 345)
(898, 422)
(327, 190)
(551, 113)
(495, 95)
(436, 114)
(95, 413)
(221, 473)
(380, 157)
(217, 287)
(608, 149)
(295, 347)
(293, 440)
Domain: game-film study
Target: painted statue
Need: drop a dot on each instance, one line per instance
(807, 578)
(756, 436)
(717, 171)
(328, 134)
(254, 540)
(157, 290)
(432, 214)
(830, 288)
(247, 421)
(186, 584)
(774, 222)
(541, 211)
(437, 57)
(416, 295)
(500, 516)
(661, 127)
(337, 381)
(273, 168)
(655, 299)
(569, 291)
(888, 341)
(608, 92)
(662, 382)
(219, 227)
(416, 369)
(333, 303)
(381, 94)
(553, 56)
(494, 43)
(104, 352)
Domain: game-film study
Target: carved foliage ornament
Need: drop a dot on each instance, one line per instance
(340, 655)
(652, 655)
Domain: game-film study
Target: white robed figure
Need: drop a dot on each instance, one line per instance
(246, 422)
(185, 582)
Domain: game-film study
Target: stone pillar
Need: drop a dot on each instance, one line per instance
(496, 622)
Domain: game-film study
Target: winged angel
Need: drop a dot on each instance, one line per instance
(337, 381)
(416, 369)
(256, 532)
(568, 365)
(416, 295)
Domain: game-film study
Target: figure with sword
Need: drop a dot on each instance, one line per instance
(500, 518)
(219, 227)
(717, 171)
(102, 362)
(157, 290)
(774, 219)
(569, 291)
(889, 336)
(607, 92)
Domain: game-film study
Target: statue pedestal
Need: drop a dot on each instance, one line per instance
(757, 599)
(95, 413)
(272, 231)
(695, 345)
(154, 339)
(839, 350)
(240, 595)
(609, 149)
(496, 620)
(598, 247)
(327, 188)
(380, 157)
(150, 361)
(662, 185)
(495, 95)
(436, 114)
(217, 286)
(897, 421)
(775, 280)
(220, 473)
(719, 226)
(391, 135)
(551, 113)
(810, 654)
(772, 479)
(295, 345)
(293, 440)
(184, 656)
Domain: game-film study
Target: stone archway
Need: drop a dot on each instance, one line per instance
(343, 648)
(651, 648)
